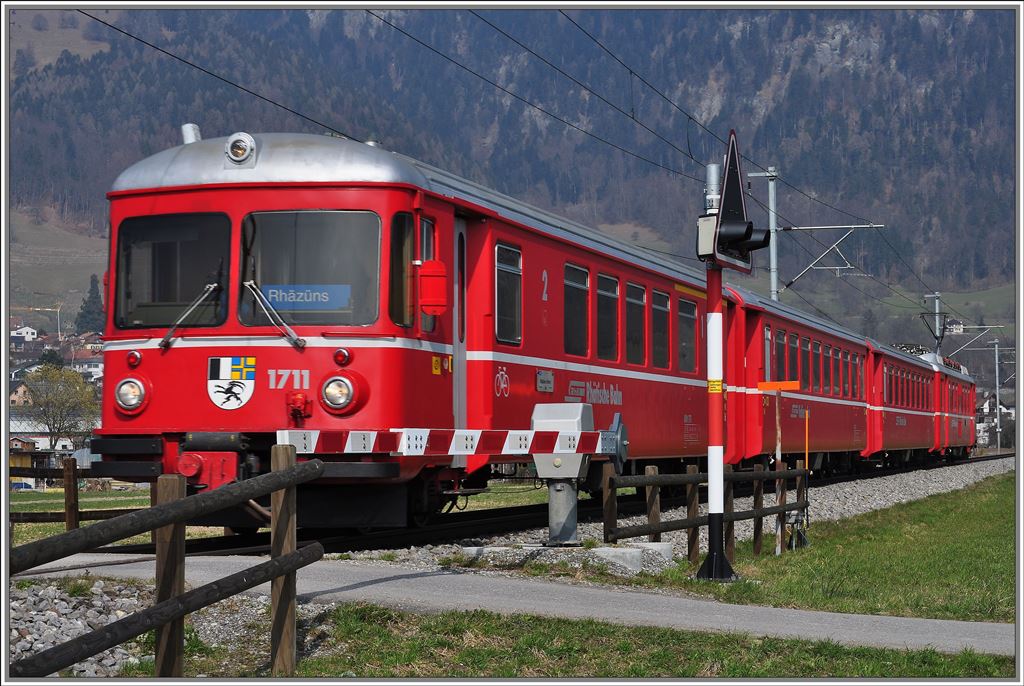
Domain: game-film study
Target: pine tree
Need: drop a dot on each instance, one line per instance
(91, 317)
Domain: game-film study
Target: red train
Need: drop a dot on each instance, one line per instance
(401, 323)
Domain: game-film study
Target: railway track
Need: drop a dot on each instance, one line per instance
(462, 525)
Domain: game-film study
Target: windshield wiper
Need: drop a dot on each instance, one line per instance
(279, 322)
(209, 288)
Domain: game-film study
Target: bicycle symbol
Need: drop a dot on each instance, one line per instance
(501, 383)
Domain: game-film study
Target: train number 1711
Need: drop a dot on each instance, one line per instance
(279, 378)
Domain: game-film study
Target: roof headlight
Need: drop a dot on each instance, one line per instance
(338, 392)
(130, 393)
(239, 147)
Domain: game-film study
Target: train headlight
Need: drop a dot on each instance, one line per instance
(129, 394)
(239, 147)
(338, 392)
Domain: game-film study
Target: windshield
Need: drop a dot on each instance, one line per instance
(312, 267)
(164, 262)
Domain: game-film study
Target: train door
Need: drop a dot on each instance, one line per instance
(459, 326)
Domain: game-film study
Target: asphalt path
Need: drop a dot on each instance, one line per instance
(436, 590)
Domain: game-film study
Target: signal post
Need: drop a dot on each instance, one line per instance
(725, 239)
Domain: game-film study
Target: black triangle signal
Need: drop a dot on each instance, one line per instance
(735, 235)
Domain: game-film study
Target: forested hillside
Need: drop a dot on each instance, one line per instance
(902, 117)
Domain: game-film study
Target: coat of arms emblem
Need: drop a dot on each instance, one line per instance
(230, 381)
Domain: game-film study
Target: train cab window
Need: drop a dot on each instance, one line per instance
(686, 335)
(607, 317)
(400, 298)
(164, 263)
(659, 329)
(508, 294)
(321, 267)
(576, 320)
(427, 321)
(767, 362)
(805, 364)
(826, 364)
(816, 368)
(846, 373)
(780, 355)
(636, 303)
(794, 349)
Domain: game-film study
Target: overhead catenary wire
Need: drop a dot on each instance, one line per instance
(215, 75)
(589, 89)
(633, 72)
(529, 103)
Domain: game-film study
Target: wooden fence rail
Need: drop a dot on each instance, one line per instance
(655, 526)
(167, 520)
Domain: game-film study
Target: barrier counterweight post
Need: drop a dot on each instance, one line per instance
(716, 566)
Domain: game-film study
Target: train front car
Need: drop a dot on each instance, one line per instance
(260, 290)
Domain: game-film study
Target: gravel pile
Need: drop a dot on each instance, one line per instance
(833, 502)
(45, 615)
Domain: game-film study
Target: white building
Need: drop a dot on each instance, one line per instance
(26, 332)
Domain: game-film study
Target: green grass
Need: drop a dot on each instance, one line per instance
(367, 641)
(518, 493)
(373, 642)
(948, 556)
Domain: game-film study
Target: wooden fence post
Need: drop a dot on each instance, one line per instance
(152, 503)
(780, 499)
(758, 504)
(70, 493)
(730, 527)
(693, 533)
(609, 501)
(282, 588)
(653, 504)
(170, 580)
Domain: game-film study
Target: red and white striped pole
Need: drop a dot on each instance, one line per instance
(715, 566)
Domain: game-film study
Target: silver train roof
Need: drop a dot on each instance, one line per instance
(311, 158)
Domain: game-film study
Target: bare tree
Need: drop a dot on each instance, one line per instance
(62, 402)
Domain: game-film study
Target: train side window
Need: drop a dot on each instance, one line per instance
(427, 321)
(400, 300)
(508, 294)
(780, 355)
(576, 320)
(816, 368)
(794, 349)
(846, 373)
(686, 335)
(767, 362)
(805, 364)
(659, 329)
(835, 371)
(855, 376)
(607, 317)
(636, 303)
(885, 385)
(826, 363)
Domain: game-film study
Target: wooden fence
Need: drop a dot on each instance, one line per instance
(72, 514)
(652, 482)
(167, 519)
